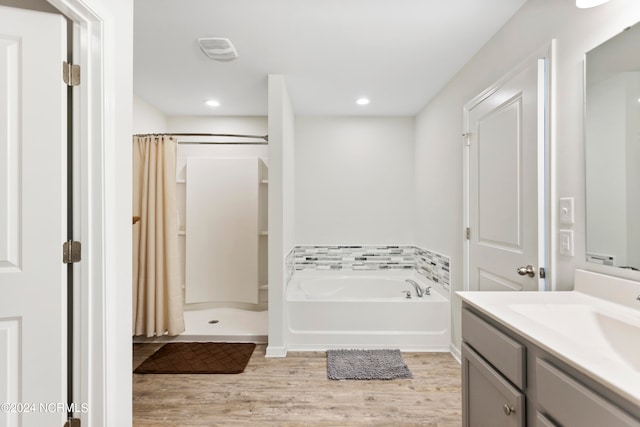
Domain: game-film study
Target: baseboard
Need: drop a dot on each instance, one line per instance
(455, 352)
(275, 351)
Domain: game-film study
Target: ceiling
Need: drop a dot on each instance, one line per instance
(398, 53)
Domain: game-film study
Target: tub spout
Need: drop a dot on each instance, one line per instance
(417, 287)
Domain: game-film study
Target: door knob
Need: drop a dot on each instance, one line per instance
(508, 410)
(526, 271)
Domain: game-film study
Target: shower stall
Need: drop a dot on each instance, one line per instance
(221, 197)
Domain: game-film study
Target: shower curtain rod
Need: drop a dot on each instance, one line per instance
(233, 135)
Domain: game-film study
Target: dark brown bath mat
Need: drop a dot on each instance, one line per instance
(198, 358)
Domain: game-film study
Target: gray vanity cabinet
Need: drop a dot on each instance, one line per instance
(572, 404)
(509, 381)
(493, 376)
(491, 401)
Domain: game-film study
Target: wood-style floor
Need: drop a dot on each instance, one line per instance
(295, 391)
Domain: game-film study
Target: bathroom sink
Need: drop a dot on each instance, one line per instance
(622, 336)
(594, 328)
(588, 327)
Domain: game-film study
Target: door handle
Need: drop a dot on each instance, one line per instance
(526, 271)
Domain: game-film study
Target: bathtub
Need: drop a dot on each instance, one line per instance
(365, 309)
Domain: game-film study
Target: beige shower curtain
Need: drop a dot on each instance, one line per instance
(157, 293)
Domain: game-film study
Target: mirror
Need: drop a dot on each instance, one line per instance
(612, 151)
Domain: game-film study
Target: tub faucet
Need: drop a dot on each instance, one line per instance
(417, 287)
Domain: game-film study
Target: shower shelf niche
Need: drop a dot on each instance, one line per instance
(263, 236)
(180, 195)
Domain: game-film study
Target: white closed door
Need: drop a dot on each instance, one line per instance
(33, 215)
(503, 133)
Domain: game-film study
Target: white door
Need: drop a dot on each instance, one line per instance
(504, 132)
(33, 217)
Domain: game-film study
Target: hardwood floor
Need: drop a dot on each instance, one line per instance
(295, 391)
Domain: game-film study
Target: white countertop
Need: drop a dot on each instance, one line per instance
(597, 336)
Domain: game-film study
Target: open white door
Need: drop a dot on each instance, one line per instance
(33, 215)
(505, 131)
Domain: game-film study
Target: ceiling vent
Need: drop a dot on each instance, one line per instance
(218, 48)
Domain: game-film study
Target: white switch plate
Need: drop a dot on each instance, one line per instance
(566, 210)
(566, 242)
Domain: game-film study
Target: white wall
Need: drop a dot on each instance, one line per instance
(354, 180)
(439, 124)
(147, 118)
(281, 205)
(244, 125)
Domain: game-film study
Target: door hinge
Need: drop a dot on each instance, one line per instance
(467, 138)
(542, 273)
(71, 252)
(72, 422)
(468, 233)
(70, 74)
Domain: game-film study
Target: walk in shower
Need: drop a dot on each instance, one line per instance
(221, 199)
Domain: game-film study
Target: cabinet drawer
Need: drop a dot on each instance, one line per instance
(570, 403)
(488, 399)
(504, 353)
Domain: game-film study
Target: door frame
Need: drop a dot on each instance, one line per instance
(546, 163)
(100, 357)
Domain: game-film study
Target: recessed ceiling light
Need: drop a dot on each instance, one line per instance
(212, 103)
(363, 101)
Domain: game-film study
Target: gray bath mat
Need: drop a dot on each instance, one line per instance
(366, 365)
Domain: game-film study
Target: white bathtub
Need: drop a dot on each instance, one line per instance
(368, 309)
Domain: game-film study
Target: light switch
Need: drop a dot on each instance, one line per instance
(566, 210)
(566, 242)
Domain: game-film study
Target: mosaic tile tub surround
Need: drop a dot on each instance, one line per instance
(432, 265)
